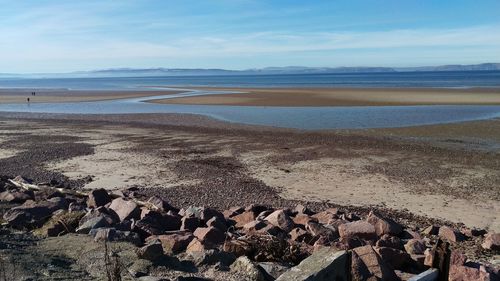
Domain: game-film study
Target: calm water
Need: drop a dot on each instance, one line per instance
(309, 118)
(406, 79)
(296, 117)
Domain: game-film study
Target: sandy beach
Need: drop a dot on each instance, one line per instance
(20, 96)
(431, 177)
(342, 97)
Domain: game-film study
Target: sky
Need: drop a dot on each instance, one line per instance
(63, 36)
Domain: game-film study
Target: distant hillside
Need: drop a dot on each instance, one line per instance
(133, 72)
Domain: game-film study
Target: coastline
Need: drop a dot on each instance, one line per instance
(59, 96)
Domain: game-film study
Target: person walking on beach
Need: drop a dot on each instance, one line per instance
(28, 99)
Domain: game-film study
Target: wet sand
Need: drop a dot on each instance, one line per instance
(193, 160)
(342, 97)
(20, 96)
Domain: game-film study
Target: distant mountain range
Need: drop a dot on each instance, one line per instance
(133, 72)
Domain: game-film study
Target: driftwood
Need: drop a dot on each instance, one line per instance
(21, 183)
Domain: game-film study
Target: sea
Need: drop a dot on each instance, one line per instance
(459, 79)
(304, 118)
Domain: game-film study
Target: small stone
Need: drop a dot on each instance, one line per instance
(237, 247)
(190, 223)
(210, 236)
(491, 241)
(243, 218)
(173, 243)
(125, 209)
(233, 211)
(254, 226)
(450, 234)
(301, 209)
(247, 268)
(98, 198)
(196, 246)
(217, 222)
(357, 229)
(396, 258)
(161, 205)
(150, 251)
(302, 219)
(280, 219)
(415, 247)
(273, 269)
(300, 235)
(326, 216)
(457, 258)
(384, 225)
(390, 241)
(431, 230)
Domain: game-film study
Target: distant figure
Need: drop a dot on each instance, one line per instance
(28, 99)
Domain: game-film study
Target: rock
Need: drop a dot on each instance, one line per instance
(211, 257)
(93, 223)
(317, 230)
(384, 225)
(280, 219)
(450, 234)
(428, 275)
(441, 258)
(125, 209)
(431, 230)
(161, 205)
(233, 211)
(302, 219)
(247, 268)
(111, 234)
(491, 241)
(190, 223)
(243, 218)
(464, 273)
(16, 196)
(410, 234)
(98, 198)
(209, 213)
(150, 251)
(273, 270)
(457, 258)
(300, 235)
(110, 215)
(209, 236)
(325, 264)
(59, 224)
(174, 243)
(196, 246)
(326, 216)
(237, 247)
(396, 258)
(217, 222)
(33, 214)
(472, 232)
(357, 229)
(155, 223)
(301, 209)
(415, 247)
(256, 209)
(390, 241)
(429, 257)
(374, 263)
(254, 226)
(359, 271)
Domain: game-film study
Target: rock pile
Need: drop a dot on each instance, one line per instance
(256, 241)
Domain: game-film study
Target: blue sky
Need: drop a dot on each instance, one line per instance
(61, 36)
